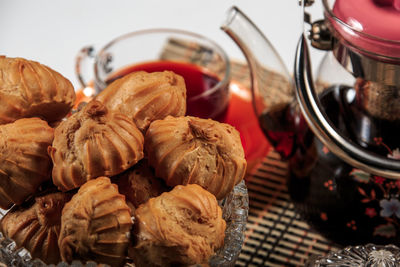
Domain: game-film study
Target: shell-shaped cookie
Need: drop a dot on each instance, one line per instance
(95, 224)
(187, 150)
(36, 226)
(139, 183)
(24, 162)
(91, 143)
(145, 97)
(178, 228)
(30, 89)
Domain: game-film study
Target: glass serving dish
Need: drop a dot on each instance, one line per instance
(366, 255)
(235, 212)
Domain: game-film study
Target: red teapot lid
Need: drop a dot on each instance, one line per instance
(372, 26)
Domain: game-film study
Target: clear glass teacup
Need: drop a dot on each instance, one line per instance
(203, 64)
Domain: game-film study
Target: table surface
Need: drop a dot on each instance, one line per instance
(276, 235)
(52, 32)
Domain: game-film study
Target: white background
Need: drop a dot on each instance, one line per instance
(53, 31)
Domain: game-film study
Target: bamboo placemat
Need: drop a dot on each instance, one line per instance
(275, 233)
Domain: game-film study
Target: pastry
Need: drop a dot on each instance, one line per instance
(187, 150)
(95, 224)
(24, 162)
(145, 97)
(91, 143)
(36, 226)
(180, 227)
(139, 184)
(30, 89)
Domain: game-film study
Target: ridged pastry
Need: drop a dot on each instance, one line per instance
(139, 184)
(36, 227)
(95, 224)
(30, 89)
(146, 97)
(91, 143)
(24, 162)
(180, 227)
(188, 150)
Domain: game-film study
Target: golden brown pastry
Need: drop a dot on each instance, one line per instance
(145, 97)
(139, 184)
(91, 143)
(36, 226)
(30, 89)
(95, 224)
(24, 162)
(188, 150)
(180, 227)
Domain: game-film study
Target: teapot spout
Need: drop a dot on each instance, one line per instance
(257, 49)
(271, 85)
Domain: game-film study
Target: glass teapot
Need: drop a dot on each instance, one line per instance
(339, 133)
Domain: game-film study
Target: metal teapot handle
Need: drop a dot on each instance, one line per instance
(326, 131)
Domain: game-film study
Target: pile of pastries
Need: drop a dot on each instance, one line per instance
(127, 176)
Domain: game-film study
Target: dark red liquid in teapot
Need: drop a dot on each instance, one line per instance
(343, 203)
(284, 127)
(198, 82)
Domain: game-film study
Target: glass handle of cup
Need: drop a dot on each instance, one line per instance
(83, 65)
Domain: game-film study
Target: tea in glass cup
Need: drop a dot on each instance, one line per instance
(201, 62)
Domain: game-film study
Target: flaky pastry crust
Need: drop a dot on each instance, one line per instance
(95, 224)
(36, 227)
(91, 143)
(187, 150)
(178, 228)
(24, 162)
(30, 89)
(145, 97)
(139, 183)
